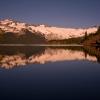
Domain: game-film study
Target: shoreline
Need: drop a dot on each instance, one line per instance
(40, 45)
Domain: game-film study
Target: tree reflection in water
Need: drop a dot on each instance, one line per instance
(15, 56)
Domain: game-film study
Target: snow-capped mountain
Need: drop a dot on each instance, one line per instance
(50, 33)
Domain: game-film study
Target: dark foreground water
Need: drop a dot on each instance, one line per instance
(35, 73)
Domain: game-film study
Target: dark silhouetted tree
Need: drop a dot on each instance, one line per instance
(85, 35)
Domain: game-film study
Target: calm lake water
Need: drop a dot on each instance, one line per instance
(44, 72)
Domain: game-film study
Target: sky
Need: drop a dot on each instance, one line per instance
(63, 13)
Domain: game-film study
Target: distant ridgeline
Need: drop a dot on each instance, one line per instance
(27, 37)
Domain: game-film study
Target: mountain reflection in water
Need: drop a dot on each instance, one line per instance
(20, 56)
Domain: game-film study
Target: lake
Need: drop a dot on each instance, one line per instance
(49, 73)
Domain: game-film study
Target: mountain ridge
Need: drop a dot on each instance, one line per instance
(49, 32)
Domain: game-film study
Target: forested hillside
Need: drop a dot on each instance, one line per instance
(92, 39)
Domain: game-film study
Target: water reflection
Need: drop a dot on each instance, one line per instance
(20, 56)
(93, 51)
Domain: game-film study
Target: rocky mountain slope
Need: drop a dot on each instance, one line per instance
(49, 33)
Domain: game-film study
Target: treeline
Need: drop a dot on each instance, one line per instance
(67, 41)
(92, 39)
